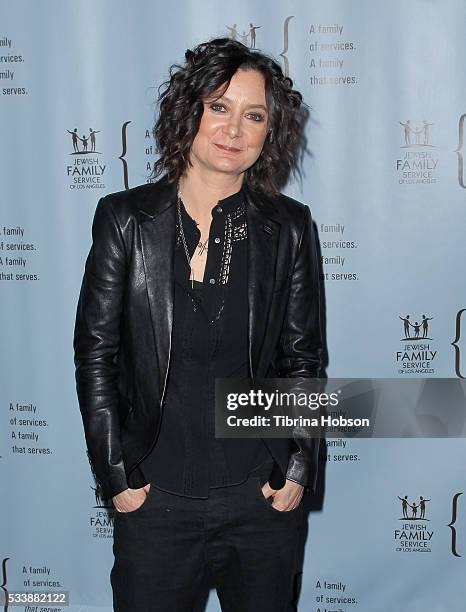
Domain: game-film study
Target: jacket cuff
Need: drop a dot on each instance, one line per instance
(300, 472)
(113, 485)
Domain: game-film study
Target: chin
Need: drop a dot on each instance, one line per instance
(225, 166)
(232, 164)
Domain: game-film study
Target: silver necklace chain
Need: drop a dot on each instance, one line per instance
(185, 247)
(184, 240)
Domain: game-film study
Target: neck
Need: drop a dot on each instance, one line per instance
(200, 191)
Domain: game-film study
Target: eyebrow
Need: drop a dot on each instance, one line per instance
(249, 105)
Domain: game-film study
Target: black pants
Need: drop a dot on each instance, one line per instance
(163, 548)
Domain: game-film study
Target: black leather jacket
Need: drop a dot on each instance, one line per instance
(122, 336)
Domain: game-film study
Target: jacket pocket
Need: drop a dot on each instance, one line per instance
(125, 408)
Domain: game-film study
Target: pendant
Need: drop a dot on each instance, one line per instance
(202, 247)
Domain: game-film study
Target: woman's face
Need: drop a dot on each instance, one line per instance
(234, 127)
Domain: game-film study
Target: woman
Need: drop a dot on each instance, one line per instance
(208, 273)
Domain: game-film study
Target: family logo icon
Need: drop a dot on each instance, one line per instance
(85, 139)
(420, 134)
(416, 326)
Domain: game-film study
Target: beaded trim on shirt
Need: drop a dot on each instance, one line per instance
(235, 228)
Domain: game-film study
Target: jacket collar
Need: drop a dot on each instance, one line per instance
(163, 195)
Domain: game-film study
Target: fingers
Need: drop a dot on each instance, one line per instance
(284, 507)
(125, 500)
(285, 499)
(285, 502)
(267, 490)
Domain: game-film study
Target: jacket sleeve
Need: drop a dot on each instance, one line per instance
(96, 346)
(300, 347)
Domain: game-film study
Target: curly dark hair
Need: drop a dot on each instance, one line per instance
(209, 66)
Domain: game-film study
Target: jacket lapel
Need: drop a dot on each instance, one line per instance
(263, 238)
(157, 230)
(157, 217)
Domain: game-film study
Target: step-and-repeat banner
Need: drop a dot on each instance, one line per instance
(385, 179)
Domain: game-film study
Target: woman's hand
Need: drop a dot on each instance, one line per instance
(130, 499)
(287, 498)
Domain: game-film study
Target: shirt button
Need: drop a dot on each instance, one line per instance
(212, 281)
(219, 209)
(217, 240)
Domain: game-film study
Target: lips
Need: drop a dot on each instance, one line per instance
(227, 149)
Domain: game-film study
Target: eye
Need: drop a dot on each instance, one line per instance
(257, 116)
(216, 107)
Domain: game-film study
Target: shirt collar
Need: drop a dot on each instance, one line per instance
(222, 207)
(229, 203)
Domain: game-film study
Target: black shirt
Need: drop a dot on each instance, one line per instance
(210, 340)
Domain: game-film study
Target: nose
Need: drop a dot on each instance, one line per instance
(233, 126)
